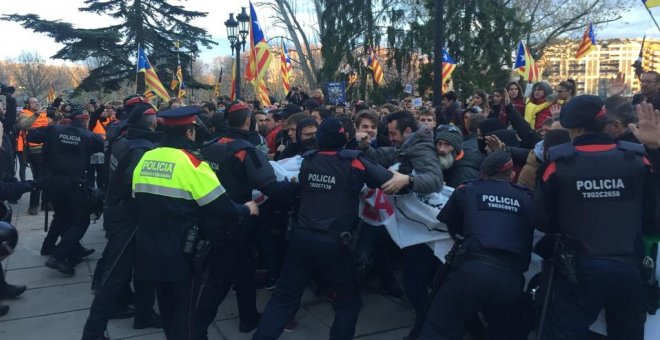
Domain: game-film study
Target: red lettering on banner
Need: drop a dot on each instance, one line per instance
(380, 203)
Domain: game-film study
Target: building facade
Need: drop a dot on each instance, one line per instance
(593, 72)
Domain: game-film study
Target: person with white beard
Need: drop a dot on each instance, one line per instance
(458, 165)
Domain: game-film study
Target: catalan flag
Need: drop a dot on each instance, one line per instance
(448, 66)
(232, 91)
(51, 94)
(149, 94)
(651, 3)
(374, 65)
(216, 89)
(285, 69)
(179, 78)
(588, 43)
(525, 64)
(150, 76)
(259, 58)
(263, 94)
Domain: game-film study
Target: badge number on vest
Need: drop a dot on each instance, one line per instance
(157, 169)
(603, 188)
(498, 203)
(320, 181)
(69, 139)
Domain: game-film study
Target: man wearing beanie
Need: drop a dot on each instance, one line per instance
(68, 149)
(598, 197)
(241, 168)
(457, 165)
(499, 249)
(332, 178)
(114, 271)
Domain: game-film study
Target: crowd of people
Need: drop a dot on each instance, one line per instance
(184, 224)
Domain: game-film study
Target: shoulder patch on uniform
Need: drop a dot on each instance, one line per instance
(195, 161)
(561, 151)
(551, 169)
(634, 147)
(357, 164)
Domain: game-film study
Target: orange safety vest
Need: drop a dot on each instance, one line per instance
(41, 121)
(100, 127)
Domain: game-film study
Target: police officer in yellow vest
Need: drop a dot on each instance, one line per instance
(32, 118)
(174, 189)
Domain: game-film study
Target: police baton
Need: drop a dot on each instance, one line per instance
(441, 276)
(548, 291)
(47, 205)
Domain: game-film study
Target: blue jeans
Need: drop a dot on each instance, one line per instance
(615, 286)
(309, 252)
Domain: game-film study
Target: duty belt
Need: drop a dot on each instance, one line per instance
(496, 261)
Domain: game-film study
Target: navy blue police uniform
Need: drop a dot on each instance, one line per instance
(598, 195)
(120, 222)
(67, 150)
(491, 219)
(240, 167)
(331, 180)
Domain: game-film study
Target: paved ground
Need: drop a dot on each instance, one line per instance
(55, 307)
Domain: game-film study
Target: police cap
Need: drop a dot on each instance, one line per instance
(331, 134)
(498, 162)
(580, 110)
(77, 113)
(139, 110)
(184, 115)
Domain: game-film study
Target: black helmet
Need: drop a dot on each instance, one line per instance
(8, 239)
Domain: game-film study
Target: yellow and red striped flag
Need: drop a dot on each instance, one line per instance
(588, 43)
(259, 59)
(149, 94)
(51, 94)
(263, 95)
(448, 66)
(374, 65)
(285, 69)
(150, 76)
(216, 88)
(232, 91)
(525, 64)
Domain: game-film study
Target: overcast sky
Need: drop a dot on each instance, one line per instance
(15, 38)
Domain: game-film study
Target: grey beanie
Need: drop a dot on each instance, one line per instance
(452, 135)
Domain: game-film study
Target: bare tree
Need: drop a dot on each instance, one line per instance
(547, 20)
(31, 73)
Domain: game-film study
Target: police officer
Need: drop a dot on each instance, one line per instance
(322, 237)
(174, 190)
(241, 168)
(67, 150)
(119, 223)
(598, 195)
(498, 249)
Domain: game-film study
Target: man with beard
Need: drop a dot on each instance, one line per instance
(262, 123)
(650, 93)
(457, 165)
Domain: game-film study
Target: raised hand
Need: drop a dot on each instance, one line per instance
(647, 130)
(618, 84)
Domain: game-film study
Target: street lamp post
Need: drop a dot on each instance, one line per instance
(237, 31)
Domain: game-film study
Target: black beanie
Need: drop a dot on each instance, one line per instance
(495, 163)
(331, 134)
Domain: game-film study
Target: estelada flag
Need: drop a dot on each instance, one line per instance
(448, 66)
(259, 58)
(150, 76)
(588, 43)
(525, 64)
(374, 65)
(285, 70)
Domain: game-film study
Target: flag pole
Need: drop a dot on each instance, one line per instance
(137, 68)
(652, 17)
